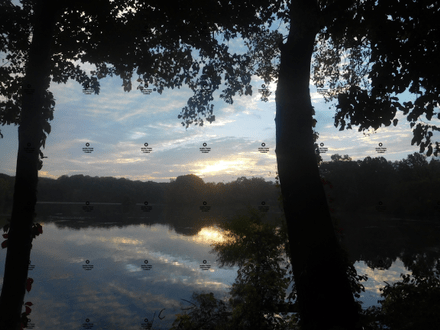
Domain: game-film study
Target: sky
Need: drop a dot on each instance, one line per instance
(117, 124)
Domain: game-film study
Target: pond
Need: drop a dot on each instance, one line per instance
(118, 277)
(131, 276)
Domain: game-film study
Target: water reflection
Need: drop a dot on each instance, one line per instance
(377, 278)
(135, 269)
(209, 235)
(118, 291)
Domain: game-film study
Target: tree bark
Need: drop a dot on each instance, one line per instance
(324, 294)
(30, 131)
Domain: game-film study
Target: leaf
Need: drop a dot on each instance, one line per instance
(28, 303)
(5, 244)
(29, 284)
(429, 152)
(5, 235)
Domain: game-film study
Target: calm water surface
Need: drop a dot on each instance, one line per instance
(125, 278)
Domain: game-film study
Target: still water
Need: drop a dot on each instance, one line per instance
(133, 277)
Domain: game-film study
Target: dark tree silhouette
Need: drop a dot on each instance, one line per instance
(395, 47)
(365, 31)
(156, 41)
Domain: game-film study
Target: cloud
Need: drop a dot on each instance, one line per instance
(377, 278)
(117, 124)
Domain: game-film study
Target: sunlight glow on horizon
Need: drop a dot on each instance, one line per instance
(217, 166)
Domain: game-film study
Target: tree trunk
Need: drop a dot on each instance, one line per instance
(30, 131)
(324, 294)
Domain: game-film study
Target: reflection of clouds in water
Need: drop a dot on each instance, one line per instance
(118, 240)
(118, 291)
(128, 306)
(208, 236)
(176, 264)
(129, 243)
(142, 296)
(377, 278)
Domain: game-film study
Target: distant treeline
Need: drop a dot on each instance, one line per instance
(186, 190)
(405, 188)
(408, 188)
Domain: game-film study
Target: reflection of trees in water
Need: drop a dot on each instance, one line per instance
(422, 263)
(184, 220)
(412, 303)
(379, 241)
(258, 295)
(380, 263)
